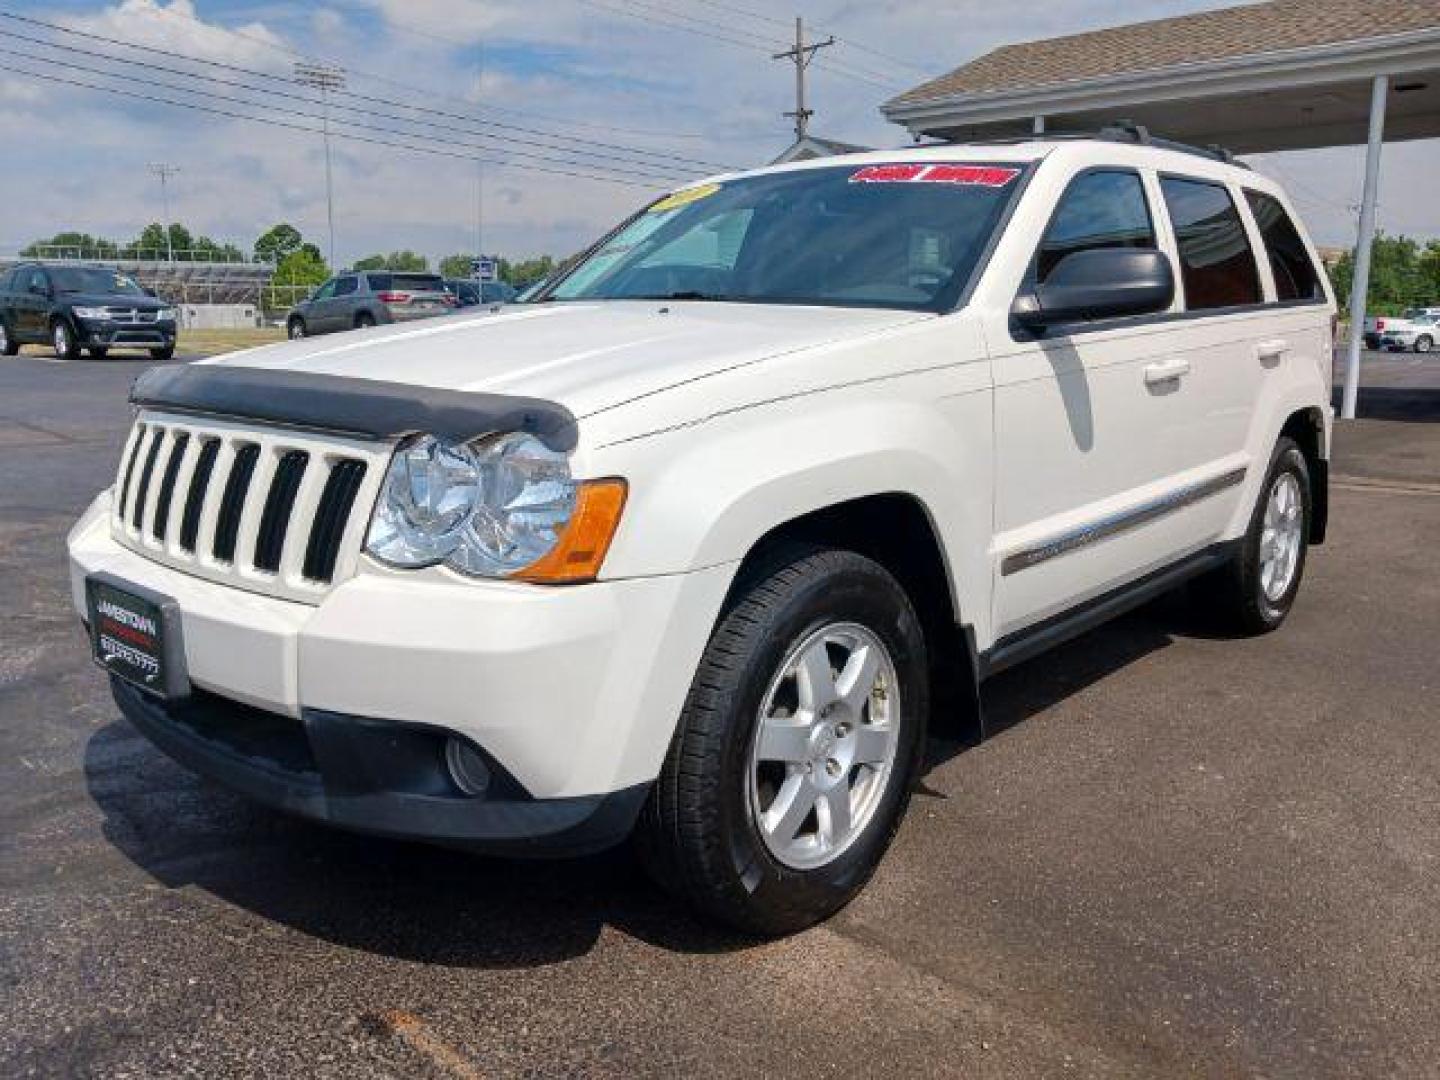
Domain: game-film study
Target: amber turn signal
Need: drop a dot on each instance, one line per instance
(581, 549)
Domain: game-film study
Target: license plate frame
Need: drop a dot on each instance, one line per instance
(136, 635)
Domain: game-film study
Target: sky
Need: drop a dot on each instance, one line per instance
(584, 110)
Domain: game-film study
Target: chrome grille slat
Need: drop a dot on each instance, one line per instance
(160, 522)
(267, 510)
(231, 510)
(139, 506)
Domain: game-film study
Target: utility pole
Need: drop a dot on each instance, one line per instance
(802, 54)
(164, 172)
(326, 79)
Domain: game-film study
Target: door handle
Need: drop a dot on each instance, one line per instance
(1166, 371)
(1271, 350)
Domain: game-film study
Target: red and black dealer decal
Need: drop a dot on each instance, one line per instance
(992, 176)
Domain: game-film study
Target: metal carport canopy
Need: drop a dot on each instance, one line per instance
(1284, 75)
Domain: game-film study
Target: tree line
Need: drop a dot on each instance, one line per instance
(297, 261)
(1403, 274)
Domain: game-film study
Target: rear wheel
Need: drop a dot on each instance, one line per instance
(63, 339)
(364, 321)
(98, 352)
(792, 764)
(1254, 593)
(8, 345)
(1424, 343)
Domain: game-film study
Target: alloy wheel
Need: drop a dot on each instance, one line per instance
(824, 746)
(1281, 536)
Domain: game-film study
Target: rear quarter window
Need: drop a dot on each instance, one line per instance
(1217, 264)
(1295, 275)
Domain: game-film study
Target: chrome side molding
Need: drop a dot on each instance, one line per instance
(1114, 524)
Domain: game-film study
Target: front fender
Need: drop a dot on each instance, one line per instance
(703, 495)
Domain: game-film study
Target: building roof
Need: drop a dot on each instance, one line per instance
(1208, 36)
(813, 146)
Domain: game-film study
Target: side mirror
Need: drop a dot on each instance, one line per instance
(38, 290)
(1104, 283)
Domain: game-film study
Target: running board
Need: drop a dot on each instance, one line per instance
(1033, 640)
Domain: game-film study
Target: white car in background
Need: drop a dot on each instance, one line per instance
(1419, 330)
(686, 546)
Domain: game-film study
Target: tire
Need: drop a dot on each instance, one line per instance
(62, 337)
(364, 321)
(702, 833)
(1424, 343)
(98, 352)
(1243, 594)
(295, 329)
(162, 355)
(8, 345)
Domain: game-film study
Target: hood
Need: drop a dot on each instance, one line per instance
(585, 356)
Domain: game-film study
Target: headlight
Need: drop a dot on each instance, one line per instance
(503, 507)
(166, 314)
(92, 314)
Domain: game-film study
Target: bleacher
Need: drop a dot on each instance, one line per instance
(189, 277)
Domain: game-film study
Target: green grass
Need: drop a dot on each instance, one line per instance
(217, 342)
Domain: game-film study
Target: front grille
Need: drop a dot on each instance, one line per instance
(274, 512)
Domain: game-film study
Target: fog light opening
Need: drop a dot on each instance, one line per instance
(468, 770)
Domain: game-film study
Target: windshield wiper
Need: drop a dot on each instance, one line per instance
(683, 294)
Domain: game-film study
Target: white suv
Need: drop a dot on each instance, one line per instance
(686, 546)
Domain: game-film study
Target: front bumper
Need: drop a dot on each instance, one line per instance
(120, 335)
(370, 776)
(572, 692)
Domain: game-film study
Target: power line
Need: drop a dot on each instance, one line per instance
(773, 20)
(272, 122)
(429, 92)
(701, 28)
(667, 170)
(601, 149)
(618, 170)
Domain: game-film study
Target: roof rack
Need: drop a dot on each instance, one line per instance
(1121, 131)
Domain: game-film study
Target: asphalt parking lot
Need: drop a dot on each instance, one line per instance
(1180, 854)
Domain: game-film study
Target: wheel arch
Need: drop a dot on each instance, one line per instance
(1307, 427)
(909, 546)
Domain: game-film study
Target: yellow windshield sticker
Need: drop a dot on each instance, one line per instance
(684, 198)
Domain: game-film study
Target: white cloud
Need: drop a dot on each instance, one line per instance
(599, 82)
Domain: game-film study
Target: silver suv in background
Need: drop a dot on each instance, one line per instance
(373, 298)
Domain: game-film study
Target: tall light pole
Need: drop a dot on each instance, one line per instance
(326, 79)
(479, 162)
(164, 172)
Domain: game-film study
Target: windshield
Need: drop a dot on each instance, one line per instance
(904, 236)
(86, 279)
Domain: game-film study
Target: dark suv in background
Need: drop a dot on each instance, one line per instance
(372, 298)
(81, 307)
(474, 293)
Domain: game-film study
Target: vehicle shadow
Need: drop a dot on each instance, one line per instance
(1413, 404)
(429, 905)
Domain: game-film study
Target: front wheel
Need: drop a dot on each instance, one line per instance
(98, 352)
(1254, 593)
(8, 345)
(792, 765)
(162, 355)
(295, 329)
(63, 340)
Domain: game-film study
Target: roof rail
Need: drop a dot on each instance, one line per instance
(1121, 131)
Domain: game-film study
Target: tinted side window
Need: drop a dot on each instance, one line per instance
(1216, 262)
(38, 280)
(1295, 275)
(325, 291)
(346, 285)
(378, 282)
(1098, 210)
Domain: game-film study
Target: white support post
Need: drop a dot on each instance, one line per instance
(1038, 125)
(1360, 285)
